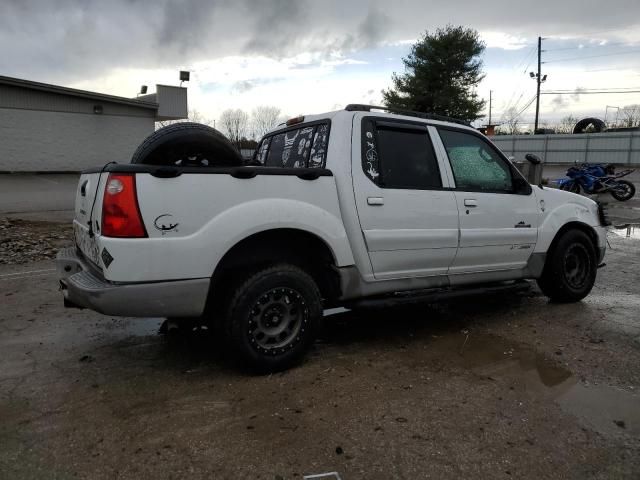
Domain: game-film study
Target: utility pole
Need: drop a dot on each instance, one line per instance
(490, 97)
(538, 81)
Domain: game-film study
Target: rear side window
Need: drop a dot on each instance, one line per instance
(296, 148)
(397, 155)
(319, 146)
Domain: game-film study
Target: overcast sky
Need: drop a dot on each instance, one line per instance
(312, 56)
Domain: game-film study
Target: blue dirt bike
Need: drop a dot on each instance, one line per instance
(598, 178)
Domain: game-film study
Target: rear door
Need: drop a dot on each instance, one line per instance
(408, 216)
(498, 221)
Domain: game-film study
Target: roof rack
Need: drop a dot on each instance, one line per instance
(358, 107)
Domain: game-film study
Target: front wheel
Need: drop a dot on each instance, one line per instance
(623, 191)
(273, 317)
(570, 270)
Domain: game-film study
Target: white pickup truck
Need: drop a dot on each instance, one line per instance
(347, 208)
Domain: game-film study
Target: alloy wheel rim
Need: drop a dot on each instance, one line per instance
(277, 319)
(623, 190)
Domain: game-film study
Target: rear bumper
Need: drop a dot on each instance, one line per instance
(84, 287)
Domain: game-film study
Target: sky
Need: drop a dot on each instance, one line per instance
(306, 56)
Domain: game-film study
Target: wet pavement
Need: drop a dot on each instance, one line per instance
(497, 387)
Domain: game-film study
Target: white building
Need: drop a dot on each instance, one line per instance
(48, 128)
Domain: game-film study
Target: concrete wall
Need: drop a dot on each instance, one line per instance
(41, 141)
(620, 148)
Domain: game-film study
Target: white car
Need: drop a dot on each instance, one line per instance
(347, 208)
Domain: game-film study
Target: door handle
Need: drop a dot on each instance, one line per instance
(375, 201)
(470, 202)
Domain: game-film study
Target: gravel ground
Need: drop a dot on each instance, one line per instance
(23, 241)
(494, 387)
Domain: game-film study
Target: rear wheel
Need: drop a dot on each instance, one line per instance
(570, 269)
(623, 191)
(273, 317)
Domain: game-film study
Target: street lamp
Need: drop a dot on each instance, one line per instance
(539, 80)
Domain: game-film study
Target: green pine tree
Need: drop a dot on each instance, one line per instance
(442, 72)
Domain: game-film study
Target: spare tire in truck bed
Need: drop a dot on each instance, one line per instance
(187, 144)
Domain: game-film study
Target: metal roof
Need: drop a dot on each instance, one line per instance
(46, 87)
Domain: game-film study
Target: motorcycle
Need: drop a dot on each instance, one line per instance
(598, 178)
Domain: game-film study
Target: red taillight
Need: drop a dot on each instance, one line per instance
(120, 212)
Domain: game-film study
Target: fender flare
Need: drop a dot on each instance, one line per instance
(561, 218)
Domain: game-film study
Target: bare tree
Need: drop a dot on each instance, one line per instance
(263, 119)
(234, 124)
(630, 115)
(566, 124)
(511, 121)
(192, 116)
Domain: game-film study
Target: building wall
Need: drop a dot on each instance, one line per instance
(42, 131)
(616, 147)
(30, 99)
(39, 141)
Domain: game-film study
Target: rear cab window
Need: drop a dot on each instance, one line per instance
(399, 155)
(303, 146)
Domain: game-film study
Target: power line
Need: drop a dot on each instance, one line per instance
(581, 47)
(579, 90)
(589, 93)
(519, 85)
(526, 106)
(571, 59)
(610, 69)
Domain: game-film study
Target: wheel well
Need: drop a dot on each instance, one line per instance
(583, 227)
(262, 249)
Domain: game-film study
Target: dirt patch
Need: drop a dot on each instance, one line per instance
(23, 241)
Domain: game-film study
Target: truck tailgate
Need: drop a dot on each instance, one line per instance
(88, 209)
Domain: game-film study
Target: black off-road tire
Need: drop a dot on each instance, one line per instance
(266, 301)
(629, 191)
(187, 144)
(570, 268)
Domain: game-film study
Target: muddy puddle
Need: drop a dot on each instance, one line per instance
(606, 409)
(627, 231)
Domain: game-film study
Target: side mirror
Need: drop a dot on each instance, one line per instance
(533, 159)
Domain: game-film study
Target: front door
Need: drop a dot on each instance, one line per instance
(498, 217)
(408, 217)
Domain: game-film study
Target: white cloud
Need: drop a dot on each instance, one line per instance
(503, 40)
